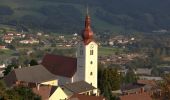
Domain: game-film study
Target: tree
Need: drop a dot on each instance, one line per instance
(9, 68)
(109, 80)
(33, 62)
(164, 86)
(130, 77)
(17, 93)
(26, 93)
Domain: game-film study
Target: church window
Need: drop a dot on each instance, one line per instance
(91, 73)
(91, 52)
(91, 62)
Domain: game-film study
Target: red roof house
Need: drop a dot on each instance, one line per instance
(138, 96)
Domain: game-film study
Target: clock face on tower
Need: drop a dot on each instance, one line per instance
(91, 46)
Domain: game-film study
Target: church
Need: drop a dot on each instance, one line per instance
(67, 72)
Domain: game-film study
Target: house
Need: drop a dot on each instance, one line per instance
(28, 75)
(50, 92)
(143, 71)
(80, 87)
(7, 39)
(85, 97)
(30, 41)
(132, 88)
(150, 87)
(138, 96)
(143, 77)
(2, 47)
(39, 34)
(10, 34)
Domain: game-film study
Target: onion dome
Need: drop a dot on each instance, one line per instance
(87, 33)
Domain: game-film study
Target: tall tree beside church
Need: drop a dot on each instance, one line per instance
(108, 80)
(130, 77)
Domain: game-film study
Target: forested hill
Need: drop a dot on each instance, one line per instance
(67, 16)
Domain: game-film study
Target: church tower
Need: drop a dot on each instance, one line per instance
(87, 55)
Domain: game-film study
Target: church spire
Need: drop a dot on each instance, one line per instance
(87, 33)
(87, 20)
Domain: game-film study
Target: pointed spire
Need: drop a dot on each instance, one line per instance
(87, 10)
(87, 20)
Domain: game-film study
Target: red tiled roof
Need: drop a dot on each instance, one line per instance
(140, 96)
(147, 82)
(85, 97)
(60, 65)
(44, 91)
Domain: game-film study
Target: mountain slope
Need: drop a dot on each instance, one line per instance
(67, 16)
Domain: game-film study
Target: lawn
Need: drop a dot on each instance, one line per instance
(105, 51)
(6, 52)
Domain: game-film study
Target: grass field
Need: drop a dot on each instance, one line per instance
(105, 51)
(6, 52)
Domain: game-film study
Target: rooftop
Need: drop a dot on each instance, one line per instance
(79, 87)
(141, 96)
(60, 65)
(45, 91)
(86, 97)
(29, 74)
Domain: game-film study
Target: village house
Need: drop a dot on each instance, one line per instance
(141, 96)
(85, 97)
(2, 47)
(29, 41)
(143, 71)
(7, 39)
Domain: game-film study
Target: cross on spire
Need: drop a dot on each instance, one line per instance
(87, 10)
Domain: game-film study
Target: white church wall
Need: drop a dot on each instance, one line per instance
(91, 63)
(87, 63)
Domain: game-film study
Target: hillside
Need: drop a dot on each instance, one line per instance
(66, 16)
